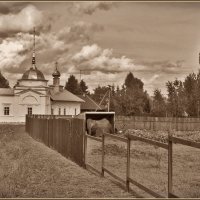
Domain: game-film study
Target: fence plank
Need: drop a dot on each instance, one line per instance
(128, 163)
(114, 176)
(170, 160)
(87, 166)
(153, 142)
(103, 155)
(185, 142)
(159, 123)
(93, 138)
(115, 137)
(154, 194)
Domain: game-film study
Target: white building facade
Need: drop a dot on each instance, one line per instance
(32, 95)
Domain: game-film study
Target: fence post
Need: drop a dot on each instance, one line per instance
(47, 132)
(170, 174)
(85, 148)
(128, 164)
(103, 152)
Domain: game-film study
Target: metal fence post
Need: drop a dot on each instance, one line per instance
(170, 174)
(128, 164)
(103, 154)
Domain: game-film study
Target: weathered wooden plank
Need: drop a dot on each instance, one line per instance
(151, 192)
(185, 142)
(170, 166)
(128, 164)
(171, 195)
(115, 137)
(114, 176)
(153, 142)
(94, 138)
(93, 169)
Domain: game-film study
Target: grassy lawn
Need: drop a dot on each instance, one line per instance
(29, 169)
(149, 164)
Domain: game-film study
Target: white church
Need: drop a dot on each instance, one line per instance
(32, 95)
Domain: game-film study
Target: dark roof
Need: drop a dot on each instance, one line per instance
(89, 103)
(64, 95)
(33, 74)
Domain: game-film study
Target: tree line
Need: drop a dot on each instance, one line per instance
(183, 97)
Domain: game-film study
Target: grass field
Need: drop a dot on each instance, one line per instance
(149, 164)
(29, 169)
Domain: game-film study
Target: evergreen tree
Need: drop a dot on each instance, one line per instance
(132, 82)
(3, 82)
(159, 105)
(192, 93)
(134, 97)
(72, 85)
(147, 104)
(176, 98)
(83, 87)
(99, 93)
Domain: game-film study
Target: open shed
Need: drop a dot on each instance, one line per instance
(97, 116)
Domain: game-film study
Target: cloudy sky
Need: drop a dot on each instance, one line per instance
(157, 41)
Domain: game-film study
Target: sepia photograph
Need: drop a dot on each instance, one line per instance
(99, 99)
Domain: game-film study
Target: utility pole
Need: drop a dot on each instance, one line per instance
(198, 108)
(109, 100)
(109, 94)
(80, 75)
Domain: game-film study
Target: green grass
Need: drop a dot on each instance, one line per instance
(29, 169)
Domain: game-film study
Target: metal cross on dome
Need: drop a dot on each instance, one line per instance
(33, 56)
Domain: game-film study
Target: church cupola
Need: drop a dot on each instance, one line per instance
(33, 76)
(56, 73)
(33, 55)
(56, 78)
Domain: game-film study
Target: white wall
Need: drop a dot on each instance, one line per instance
(40, 104)
(32, 83)
(69, 106)
(19, 105)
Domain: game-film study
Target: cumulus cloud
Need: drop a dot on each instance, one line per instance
(93, 57)
(11, 55)
(22, 21)
(163, 66)
(153, 78)
(90, 7)
(12, 7)
(79, 31)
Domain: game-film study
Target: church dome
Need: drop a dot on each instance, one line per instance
(56, 73)
(33, 74)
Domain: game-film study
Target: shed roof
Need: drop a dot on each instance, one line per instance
(89, 103)
(65, 95)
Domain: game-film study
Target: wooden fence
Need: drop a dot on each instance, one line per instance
(127, 140)
(157, 123)
(66, 135)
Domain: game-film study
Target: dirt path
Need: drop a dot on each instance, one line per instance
(30, 169)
